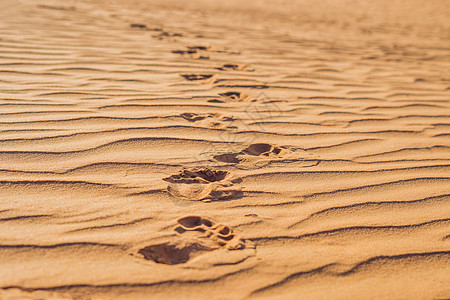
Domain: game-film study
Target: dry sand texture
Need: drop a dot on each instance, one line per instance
(224, 149)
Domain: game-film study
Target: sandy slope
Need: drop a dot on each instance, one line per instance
(311, 142)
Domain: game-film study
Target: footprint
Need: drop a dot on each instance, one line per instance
(213, 120)
(199, 77)
(194, 236)
(233, 97)
(193, 52)
(138, 25)
(255, 152)
(220, 234)
(166, 34)
(184, 52)
(146, 28)
(259, 155)
(192, 117)
(204, 184)
(201, 48)
(235, 67)
(212, 49)
(267, 150)
(216, 101)
(173, 253)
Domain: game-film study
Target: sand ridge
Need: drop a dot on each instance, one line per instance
(152, 149)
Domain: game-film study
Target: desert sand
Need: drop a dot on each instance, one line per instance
(224, 149)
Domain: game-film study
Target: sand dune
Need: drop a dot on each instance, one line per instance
(224, 149)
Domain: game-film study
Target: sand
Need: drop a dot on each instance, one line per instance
(224, 149)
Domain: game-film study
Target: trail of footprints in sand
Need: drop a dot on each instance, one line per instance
(207, 184)
(101, 135)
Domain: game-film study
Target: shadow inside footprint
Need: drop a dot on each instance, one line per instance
(216, 101)
(201, 48)
(171, 254)
(231, 158)
(258, 150)
(194, 222)
(236, 96)
(139, 26)
(193, 52)
(197, 77)
(264, 150)
(184, 52)
(56, 7)
(191, 117)
(235, 67)
(166, 34)
(204, 175)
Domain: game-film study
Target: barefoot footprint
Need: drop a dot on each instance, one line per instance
(196, 52)
(232, 97)
(145, 27)
(184, 52)
(209, 119)
(259, 155)
(221, 235)
(235, 67)
(138, 25)
(201, 48)
(204, 184)
(198, 77)
(195, 236)
(166, 34)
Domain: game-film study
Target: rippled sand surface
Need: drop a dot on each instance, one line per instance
(224, 150)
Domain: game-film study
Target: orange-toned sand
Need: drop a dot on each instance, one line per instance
(224, 149)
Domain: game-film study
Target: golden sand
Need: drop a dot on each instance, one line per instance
(224, 149)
